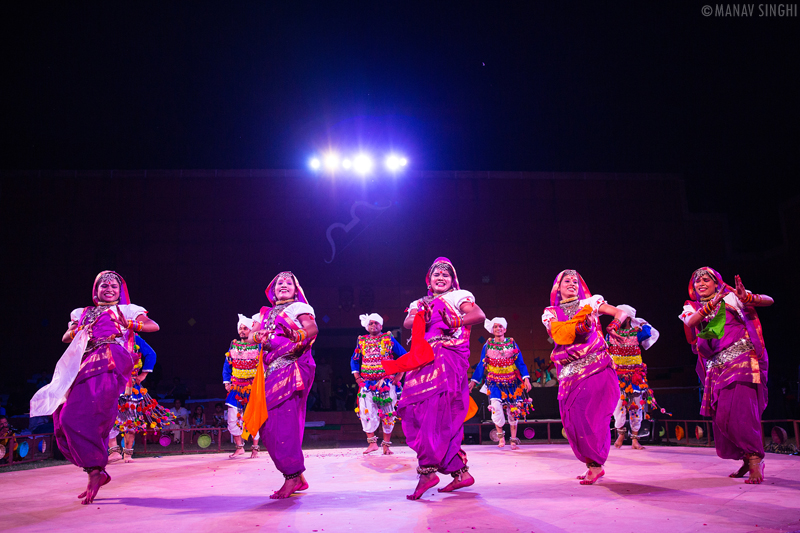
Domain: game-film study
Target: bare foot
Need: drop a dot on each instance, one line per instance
(620, 439)
(237, 453)
(114, 457)
(514, 444)
(97, 478)
(742, 470)
(387, 450)
(371, 448)
(303, 483)
(594, 473)
(463, 480)
(635, 444)
(289, 486)
(756, 472)
(253, 453)
(501, 441)
(427, 481)
(128, 458)
(583, 476)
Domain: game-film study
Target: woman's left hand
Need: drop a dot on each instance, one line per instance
(741, 292)
(527, 385)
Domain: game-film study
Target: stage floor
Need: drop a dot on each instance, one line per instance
(665, 489)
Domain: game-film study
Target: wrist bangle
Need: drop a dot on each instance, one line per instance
(614, 326)
(139, 325)
(457, 321)
(301, 335)
(582, 328)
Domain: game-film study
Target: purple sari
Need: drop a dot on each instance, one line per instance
(435, 397)
(733, 370)
(83, 422)
(289, 375)
(588, 388)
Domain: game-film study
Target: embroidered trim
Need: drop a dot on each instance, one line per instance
(576, 366)
(730, 353)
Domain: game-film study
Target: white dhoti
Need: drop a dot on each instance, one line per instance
(636, 414)
(235, 422)
(499, 413)
(369, 410)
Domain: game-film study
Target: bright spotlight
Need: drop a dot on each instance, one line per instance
(393, 163)
(403, 161)
(331, 161)
(362, 163)
(314, 163)
(346, 164)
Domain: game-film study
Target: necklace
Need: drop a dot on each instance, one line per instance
(570, 307)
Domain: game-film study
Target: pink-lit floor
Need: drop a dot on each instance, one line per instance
(656, 490)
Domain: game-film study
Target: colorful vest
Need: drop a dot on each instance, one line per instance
(373, 351)
(500, 362)
(243, 358)
(628, 352)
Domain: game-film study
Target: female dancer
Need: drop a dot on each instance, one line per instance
(286, 332)
(587, 388)
(506, 377)
(91, 375)
(436, 397)
(722, 325)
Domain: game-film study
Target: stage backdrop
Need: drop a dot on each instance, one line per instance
(199, 246)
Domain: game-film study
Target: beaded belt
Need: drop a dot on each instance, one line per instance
(281, 362)
(94, 343)
(576, 366)
(730, 353)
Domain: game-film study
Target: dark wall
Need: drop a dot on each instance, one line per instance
(198, 247)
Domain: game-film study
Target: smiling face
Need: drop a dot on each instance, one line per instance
(441, 280)
(285, 288)
(108, 291)
(705, 285)
(498, 330)
(244, 332)
(374, 327)
(568, 287)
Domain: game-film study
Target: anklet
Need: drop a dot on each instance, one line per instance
(593, 464)
(254, 448)
(127, 451)
(292, 476)
(114, 449)
(240, 446)
(462, 470)
(90, 469)
(386, 443)
(426, 470)
(372, 439)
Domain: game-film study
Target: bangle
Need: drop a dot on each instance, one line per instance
(72, 334)
(139, 325)
(583, 328)
(614, 326)
(301, 335)
(456, 321)
(748, 297)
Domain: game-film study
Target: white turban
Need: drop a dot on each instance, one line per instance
(244, 321)
(366, 319)
(496, 320)
(638, 323)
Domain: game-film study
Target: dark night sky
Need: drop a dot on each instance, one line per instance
(543, 86)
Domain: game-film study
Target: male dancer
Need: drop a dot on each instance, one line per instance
(238, 372)
(377, 395)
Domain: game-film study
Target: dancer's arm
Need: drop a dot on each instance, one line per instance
(619, 317)
(750, 299)
(694, 320)
(309, 325)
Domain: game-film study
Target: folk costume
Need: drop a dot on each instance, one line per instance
(89, 378)
(377, 397)
(238, 371)
(504, 370)
(435, 396)
(636, 397)
(288, 375)
(587, 388)
(138, 411)
(732, 363)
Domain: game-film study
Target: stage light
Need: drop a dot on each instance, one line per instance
(393, 163)
(331, 161)
(346, 164)
(314, 163)
(362, 164)
(403, 161)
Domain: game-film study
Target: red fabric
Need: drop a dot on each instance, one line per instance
(420, 354)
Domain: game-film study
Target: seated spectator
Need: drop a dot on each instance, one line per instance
(198, 419)
(220, 419)
(181, 420)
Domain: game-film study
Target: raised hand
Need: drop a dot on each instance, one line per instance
(741, 292)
